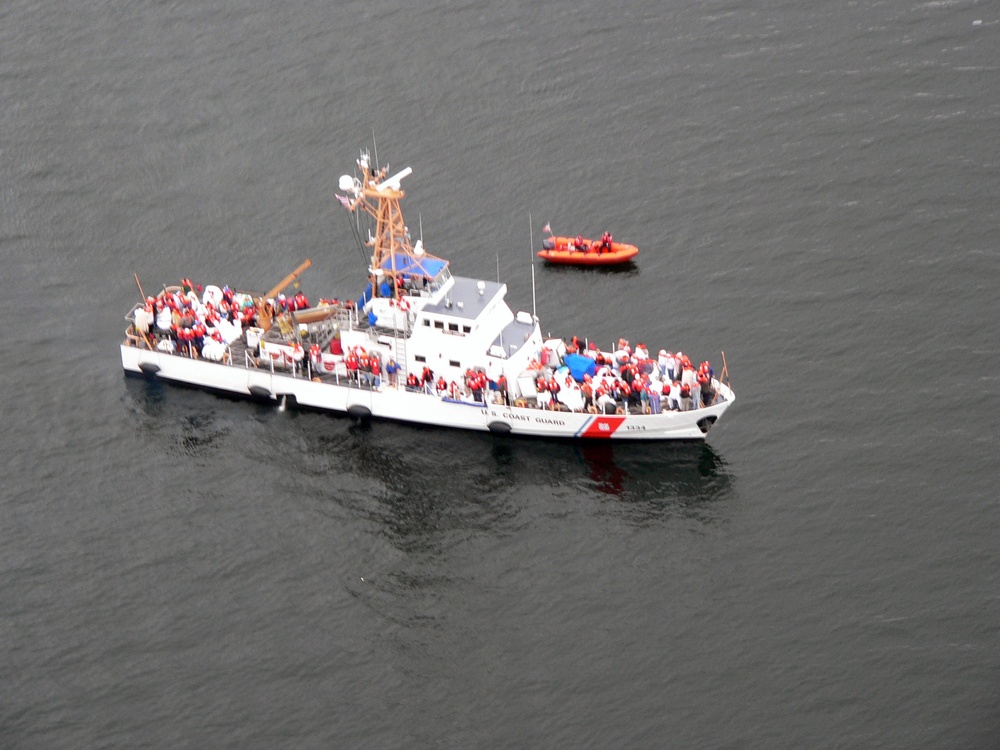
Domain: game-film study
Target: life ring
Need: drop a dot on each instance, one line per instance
(404, 304)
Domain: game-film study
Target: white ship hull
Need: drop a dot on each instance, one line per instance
(402, 405)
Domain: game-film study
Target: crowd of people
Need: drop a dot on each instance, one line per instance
(202, 322)
(625, 381)
(194, 321)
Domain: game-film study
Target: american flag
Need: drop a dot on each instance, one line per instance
(344, 201)
(547, 228)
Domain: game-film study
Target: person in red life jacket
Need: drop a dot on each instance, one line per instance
(301, 301)
(187, 336)
(629, 394)
(620, 390)
(412, 383)
(454, 390)
(475, 387)
(626, 373)
(606, 242)
(685, 397)
(502, 387)
(427, 379)
(441, 386)
(353, 364)
(198, 336)
(542, 390)
(578, 243)
(635, 392)
(376, 371)
(554, 388)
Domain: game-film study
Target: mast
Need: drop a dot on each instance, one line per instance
(393, 256)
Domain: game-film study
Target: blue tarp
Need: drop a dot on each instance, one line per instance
(363, 300)
(429, 267)
(579, 365)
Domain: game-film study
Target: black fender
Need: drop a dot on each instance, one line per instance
(706, 424)
(499, 428)
(359, 412)
(150, 368)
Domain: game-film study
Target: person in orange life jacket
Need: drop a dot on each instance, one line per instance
(606, 242)
(427, 379)
(441, 386)
(411, 382)
(641, 352)
(475, 387)
(376, 372)
(542, 392)
(639, 391)
(353, 364)
(301, 301)
(707, 392)
(554, 388)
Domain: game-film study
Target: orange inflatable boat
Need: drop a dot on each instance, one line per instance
(573, 251)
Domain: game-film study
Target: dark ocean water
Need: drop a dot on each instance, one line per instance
(814, 188)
